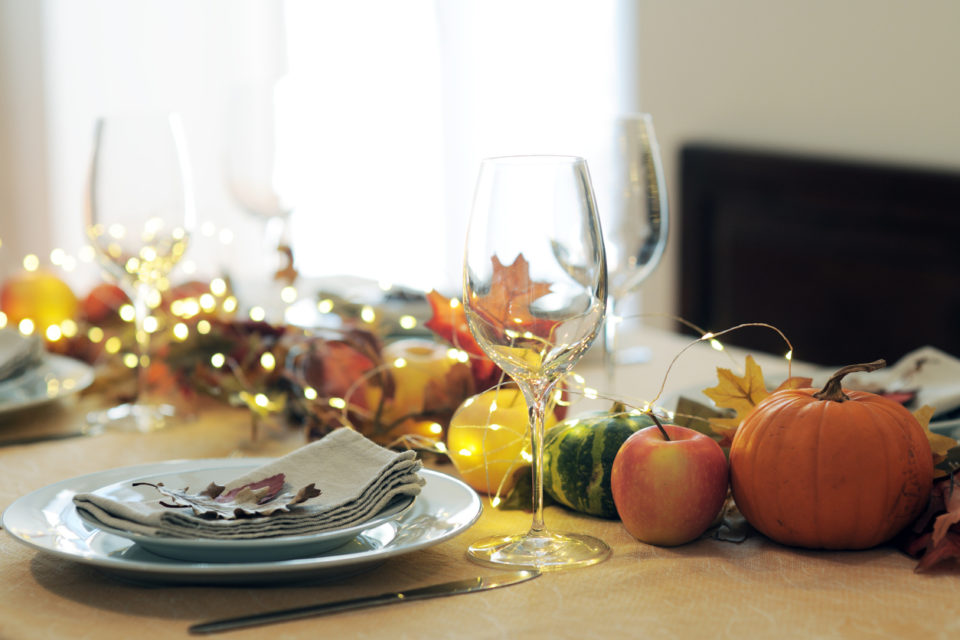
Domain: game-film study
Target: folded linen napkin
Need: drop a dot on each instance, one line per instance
(18, 353)
(932, 374)
(356, 478)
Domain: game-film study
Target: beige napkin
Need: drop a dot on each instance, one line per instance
(18, 353)
(933, 374)
(356, 477)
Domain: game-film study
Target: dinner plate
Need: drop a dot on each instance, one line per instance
(46, 520)
(213, 550)
(56, 377)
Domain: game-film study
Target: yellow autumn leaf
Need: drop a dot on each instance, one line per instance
(739, 393)
(939, 444)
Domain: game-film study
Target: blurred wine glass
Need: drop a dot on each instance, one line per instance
(138, 218)
(636, 223)
(533, 314)
(253, 168)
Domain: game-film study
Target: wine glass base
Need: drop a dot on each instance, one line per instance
(131, 417)
(540, 551)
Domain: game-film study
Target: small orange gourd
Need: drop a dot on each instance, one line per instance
(830, 469)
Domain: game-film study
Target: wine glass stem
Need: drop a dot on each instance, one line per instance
(141, 309)
(536, 396)
(610, 341)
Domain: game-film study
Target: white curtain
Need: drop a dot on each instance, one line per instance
(383, 112)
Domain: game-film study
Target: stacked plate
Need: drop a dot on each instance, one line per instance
(30, 377)
(48, 521)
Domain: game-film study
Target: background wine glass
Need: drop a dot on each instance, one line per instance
(252, 166)
(139, 213)
(636, 224)
(533, 315)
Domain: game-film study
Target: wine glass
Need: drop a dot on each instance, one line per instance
(138, 216)
(535, 314)
(636, 224)
(253, 169)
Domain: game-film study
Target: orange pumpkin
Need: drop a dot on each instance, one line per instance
(830, 469)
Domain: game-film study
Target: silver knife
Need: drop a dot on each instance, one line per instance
(480, 583)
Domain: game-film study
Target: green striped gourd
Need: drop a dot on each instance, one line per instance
(578, 458)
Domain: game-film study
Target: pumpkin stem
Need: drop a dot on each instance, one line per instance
(833, 391)
(659, 424)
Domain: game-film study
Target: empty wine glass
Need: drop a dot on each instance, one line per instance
(253, 168)
(138, 216)
(635, 222)
(534, 314)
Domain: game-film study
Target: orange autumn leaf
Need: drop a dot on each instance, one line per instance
(511, 293)
(449, 322)
(795, 382)
(939, 444)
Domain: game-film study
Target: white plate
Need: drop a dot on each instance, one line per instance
(47, 520)
(211, 550)
(56, 377)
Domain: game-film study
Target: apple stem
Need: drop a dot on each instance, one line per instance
(659, 424)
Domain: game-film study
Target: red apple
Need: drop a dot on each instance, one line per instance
(104, 302)
(668, 490)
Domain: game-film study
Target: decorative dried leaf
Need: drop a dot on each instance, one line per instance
(950, 462)
(940, 444)
(512, 292)
(942, 524)
(261, 498)
(948, 549)
(449, 322)
(795, 382)
(935, 536)
(739, 393)
(732, 526)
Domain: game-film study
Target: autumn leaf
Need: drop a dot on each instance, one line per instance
(449, 322)
(935, 536)
(739, 393)
(795, 382)
(939, 444)
(512, 292)
(261, 498)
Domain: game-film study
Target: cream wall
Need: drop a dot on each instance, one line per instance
(874, 79)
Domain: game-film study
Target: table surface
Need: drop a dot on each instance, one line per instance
(707, 588)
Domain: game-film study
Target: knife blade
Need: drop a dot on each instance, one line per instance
(470, 585)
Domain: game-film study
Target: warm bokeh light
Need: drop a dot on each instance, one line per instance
(31, 262)
(267, 361)
(180, 331)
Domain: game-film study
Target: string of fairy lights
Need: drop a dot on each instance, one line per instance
(189, 313)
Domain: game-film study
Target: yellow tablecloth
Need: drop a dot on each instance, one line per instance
(756, 589)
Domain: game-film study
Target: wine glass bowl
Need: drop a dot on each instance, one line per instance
(138, 218)
(636, 223)
(534, 289)
(254, 157)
